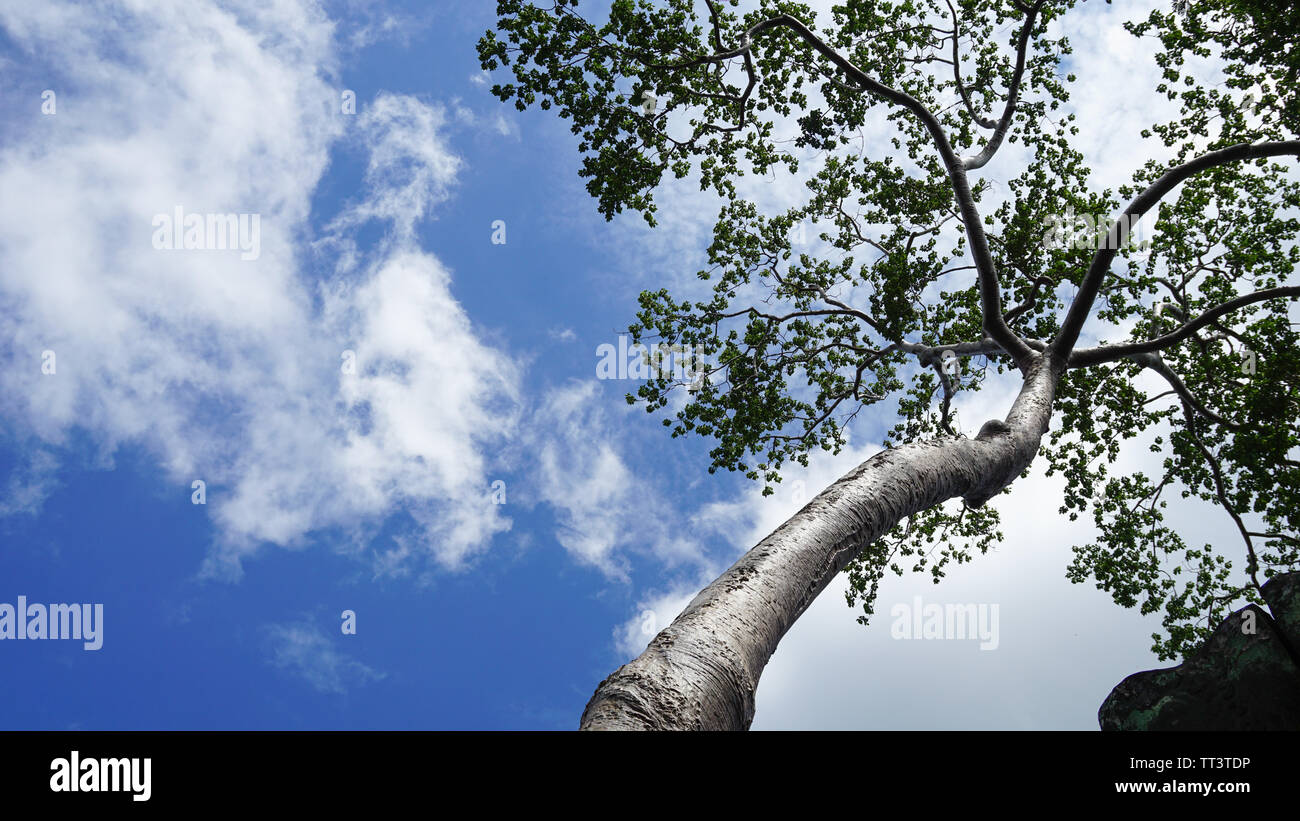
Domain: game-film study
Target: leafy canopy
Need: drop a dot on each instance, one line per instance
(870, 110)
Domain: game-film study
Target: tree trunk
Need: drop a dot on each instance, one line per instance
(701, 672)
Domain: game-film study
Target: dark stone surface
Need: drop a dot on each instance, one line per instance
(1283, 596)
(1235, 681)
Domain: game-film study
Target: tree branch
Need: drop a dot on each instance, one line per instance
(1013, 93)
(995, 324)
(1157, 364)
(1109, 353)
(1063, 344)
(956, 71)
(1220, 491)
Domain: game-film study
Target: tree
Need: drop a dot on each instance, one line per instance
(924, 283)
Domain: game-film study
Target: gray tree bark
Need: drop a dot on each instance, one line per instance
(702, 671)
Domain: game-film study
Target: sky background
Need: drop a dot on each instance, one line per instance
(372, 491)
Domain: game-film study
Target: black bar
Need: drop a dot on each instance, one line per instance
(332, 769)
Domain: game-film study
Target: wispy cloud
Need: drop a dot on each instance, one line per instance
(303, 649)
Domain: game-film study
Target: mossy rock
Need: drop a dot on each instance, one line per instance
(1238, 680)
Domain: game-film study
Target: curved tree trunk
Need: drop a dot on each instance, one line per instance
(701, 672)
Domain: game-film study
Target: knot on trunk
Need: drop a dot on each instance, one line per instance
(992, 428)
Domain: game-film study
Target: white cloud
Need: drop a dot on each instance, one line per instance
(655, 611)
(410, 167)
(230, 371)
(31, 481)
(607, 510)
(303, 649)
(581, 475)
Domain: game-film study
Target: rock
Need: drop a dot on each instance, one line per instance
(1237, 680)
(1283, 596)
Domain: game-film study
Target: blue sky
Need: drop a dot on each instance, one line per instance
(370, 491)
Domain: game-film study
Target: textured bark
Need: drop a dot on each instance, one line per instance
(701, 672)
